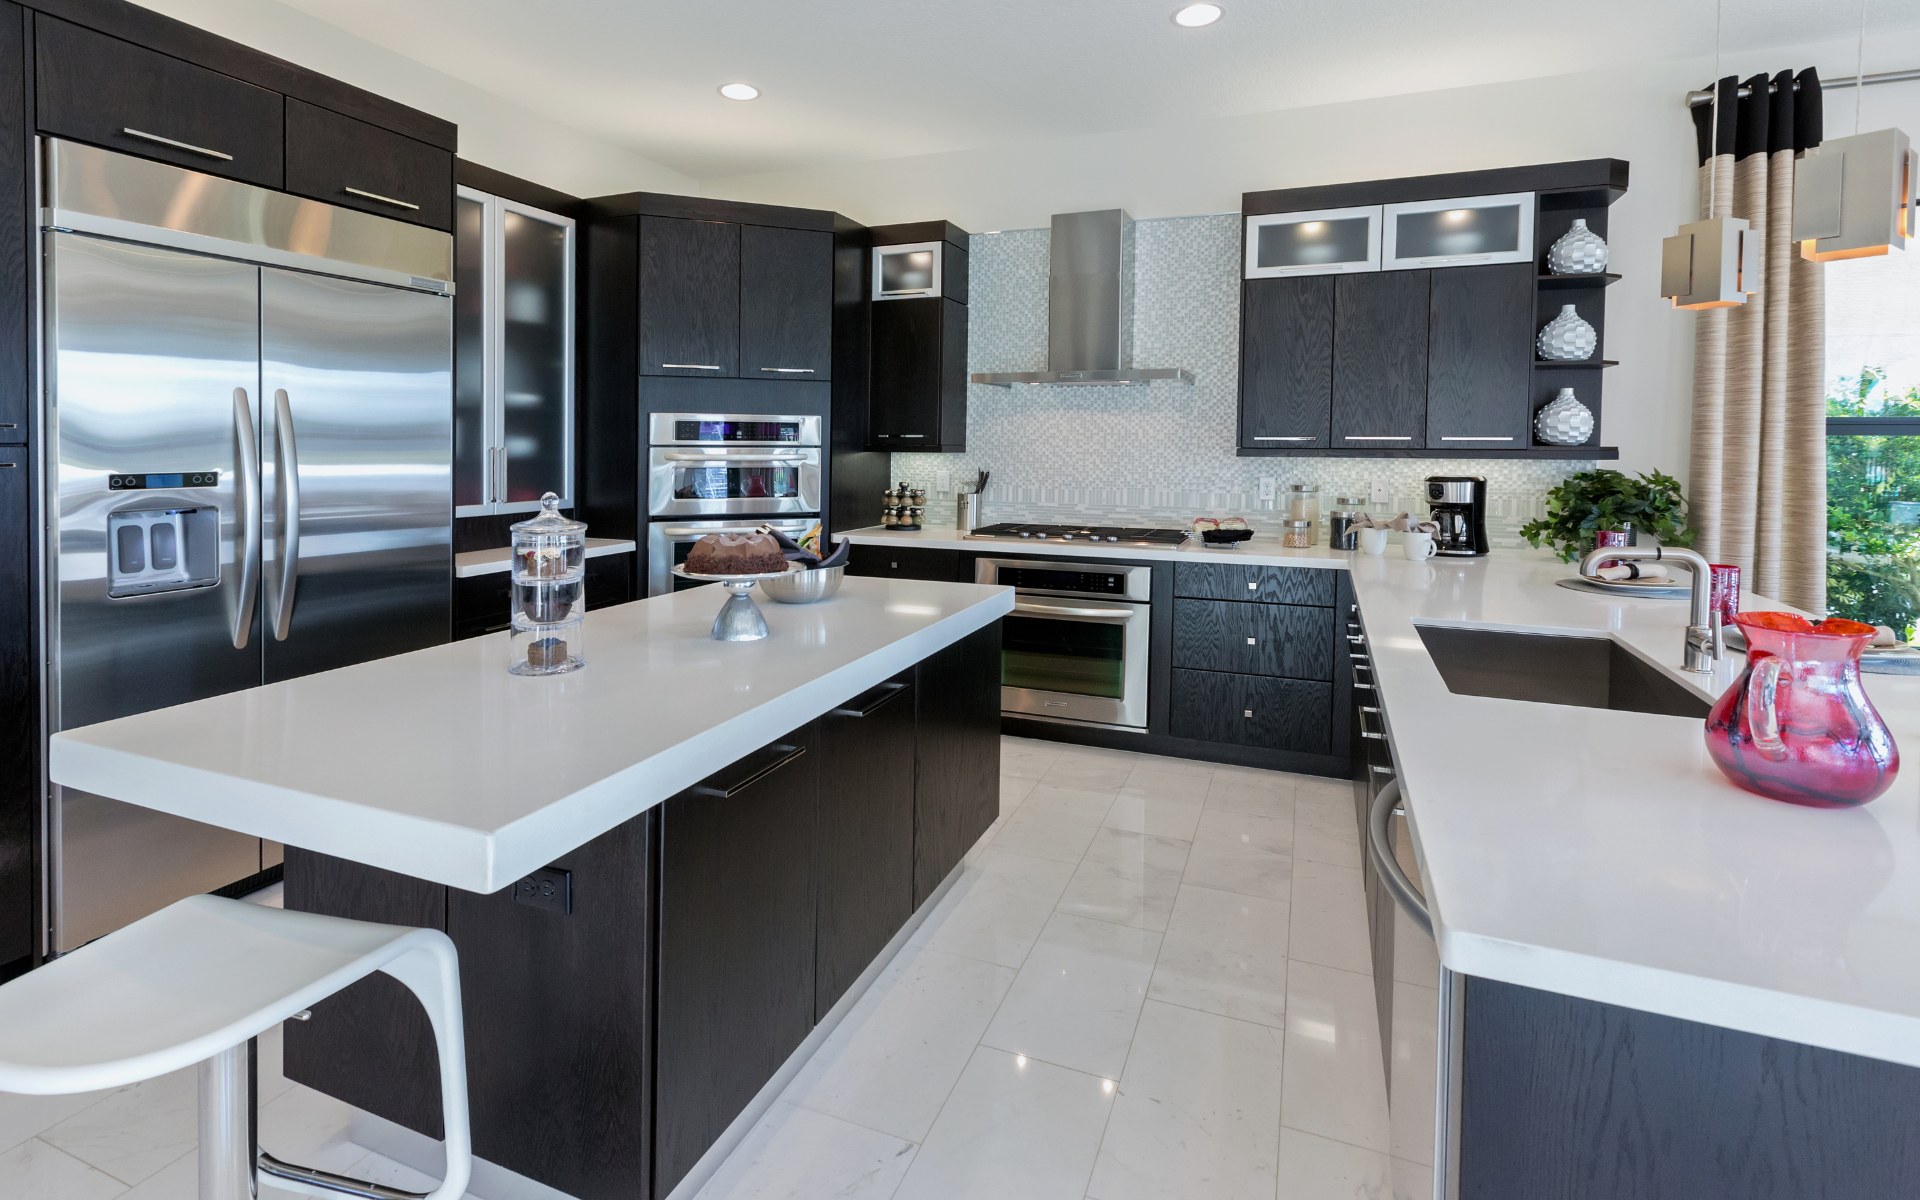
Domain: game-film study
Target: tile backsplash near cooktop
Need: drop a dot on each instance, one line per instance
(1161, 454)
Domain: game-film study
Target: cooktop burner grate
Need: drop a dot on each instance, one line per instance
(1128, 535)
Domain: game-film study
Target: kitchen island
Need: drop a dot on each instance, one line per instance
(667, 874)
(1653, 983)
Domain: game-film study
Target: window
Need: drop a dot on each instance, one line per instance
(513, 356)
(1873, 440)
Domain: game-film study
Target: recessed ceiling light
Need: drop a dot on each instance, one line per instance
(1195, 15)
(746, 91)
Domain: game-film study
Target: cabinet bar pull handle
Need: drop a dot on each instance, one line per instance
(1249, 712)
(886, 692)
(1364, 708)
(189, 147)
(1252, 642)
(1372, 737)
(1309, 438)
(790, 370)
(913, 435)
(1376, 437)
(1377, 769)
(689, 367)
(1476, 439)
(1358, 639)
(382, 199)
(786, 754)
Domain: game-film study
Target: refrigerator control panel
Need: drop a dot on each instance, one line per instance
(122, 481)
(162, 550)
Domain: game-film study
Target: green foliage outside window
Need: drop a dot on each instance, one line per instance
(1873, 508)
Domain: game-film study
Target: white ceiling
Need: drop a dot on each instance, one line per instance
(854, 80)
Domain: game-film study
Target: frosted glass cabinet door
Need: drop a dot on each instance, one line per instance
(535, 367)
(472, 438)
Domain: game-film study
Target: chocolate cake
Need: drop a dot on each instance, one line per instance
(736, 554)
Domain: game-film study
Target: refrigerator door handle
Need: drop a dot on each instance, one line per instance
(246, 516)
(287, 477)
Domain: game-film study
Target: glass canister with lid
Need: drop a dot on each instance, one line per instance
(1341, 533)
(1303, 503)
(549, 592)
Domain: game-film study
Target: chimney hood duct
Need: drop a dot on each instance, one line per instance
(1090, 308)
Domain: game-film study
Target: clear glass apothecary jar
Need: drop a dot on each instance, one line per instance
(1303, 503)
(549, 593)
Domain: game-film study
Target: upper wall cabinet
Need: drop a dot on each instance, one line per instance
(513, 356)
(99, 89)
(1458, 231)
(356, 165)
(918, 395)
(724, 300)
(1326, 242)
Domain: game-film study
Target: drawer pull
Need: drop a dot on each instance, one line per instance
(1308, 438)
(189, 147)
(1252, 642)
(786, 754)
(695, 367)
(1376, 437)
(1364, 731)
(1357, 639)
(1476, 439)
(1253, 585)
(382, 199)
(874, 699)
(1364, 708)
(1249, 712)
(794, 370)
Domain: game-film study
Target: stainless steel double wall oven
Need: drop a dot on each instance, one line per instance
(726, 473)
(1075, 646)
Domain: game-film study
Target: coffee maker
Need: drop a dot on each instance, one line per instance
(1460, 509)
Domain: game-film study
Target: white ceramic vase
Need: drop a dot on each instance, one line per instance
(1568, 338)
(1580, 251)
(1564, 421)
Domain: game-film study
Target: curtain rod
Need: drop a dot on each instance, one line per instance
(1705, 95)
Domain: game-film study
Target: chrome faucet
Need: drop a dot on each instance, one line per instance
(1702, 640)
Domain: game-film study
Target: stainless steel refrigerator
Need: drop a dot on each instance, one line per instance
(248, 434)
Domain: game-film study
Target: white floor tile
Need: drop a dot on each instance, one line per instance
(1333, 1084)
(891, 1063)
(1127, 878)
(1044, 828)
(21, 1117)
(1240, 852)
(1160, 764)
(137, 1130)
(1324, 829)
(1330, 917)
(1012, 1128)
(1077, 999)
(1318, 1168)
(997, 907)
(1246, 790)
(796, 1154)
(1087, 767)
(35, 1170)
(306, 1127)
(1416, 959)
(178, 1180)
(272, 1082)
(1197, 1113)
(1013, 790)
(1411, 1180)
(1410, 1098)
(1225, 953)
(1150, 810)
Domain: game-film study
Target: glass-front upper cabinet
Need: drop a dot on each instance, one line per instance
(1463, 231)
(1324, 242)
(513, 356)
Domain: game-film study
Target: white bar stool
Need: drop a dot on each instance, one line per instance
(193, 983)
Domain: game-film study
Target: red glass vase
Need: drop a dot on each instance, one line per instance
(1798, 726)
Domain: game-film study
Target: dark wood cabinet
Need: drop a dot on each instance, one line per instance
(19, 742)
(1380, 360)
(736, 944)
(1286, 362)
(356, 165)
(907, 562)
(16, 236)
(863, 844)
(689, 297)
(369, 1044)
(1251, 710)
(786, 303)
(957, 755)
(99, 89)
(1253, 639)
(1480, 357)
(1266, 585)
(919, 386)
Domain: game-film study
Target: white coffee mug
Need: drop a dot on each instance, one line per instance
(1373, 541)
(1419, 546)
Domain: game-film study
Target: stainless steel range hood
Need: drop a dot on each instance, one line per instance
(1090, 308)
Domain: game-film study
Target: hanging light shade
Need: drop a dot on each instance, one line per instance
(1854, 197)
(1710, 264)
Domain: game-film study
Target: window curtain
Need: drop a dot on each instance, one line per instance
(1758, 479)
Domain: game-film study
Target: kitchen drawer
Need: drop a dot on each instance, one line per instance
(95, 88)
(1271, 585)
(1251, 710)
(1253, 639)
(356, 165)
(906, 562)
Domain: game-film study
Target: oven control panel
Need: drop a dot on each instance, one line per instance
(1054, 579)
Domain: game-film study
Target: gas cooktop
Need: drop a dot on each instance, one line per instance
(1108, 534)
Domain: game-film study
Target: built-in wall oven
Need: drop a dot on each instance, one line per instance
(719, 464)
(1075, 646)
(668, 542)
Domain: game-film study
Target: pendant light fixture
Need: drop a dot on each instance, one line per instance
(1853, 197)
(1713, 263)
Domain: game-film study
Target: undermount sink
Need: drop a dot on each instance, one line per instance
(1586, 672)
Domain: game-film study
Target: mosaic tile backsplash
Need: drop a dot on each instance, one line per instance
(1161, 454)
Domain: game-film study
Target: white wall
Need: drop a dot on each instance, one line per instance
(493, 131)
(1202, 167)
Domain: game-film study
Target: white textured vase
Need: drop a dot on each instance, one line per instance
(1564, 421)
(1568, 338)
(1580, 251)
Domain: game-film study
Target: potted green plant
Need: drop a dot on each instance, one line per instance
(1583, 504)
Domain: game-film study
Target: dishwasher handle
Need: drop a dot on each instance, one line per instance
(1380, 847)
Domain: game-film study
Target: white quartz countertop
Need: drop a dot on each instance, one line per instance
(1602, 854)
(441, 765)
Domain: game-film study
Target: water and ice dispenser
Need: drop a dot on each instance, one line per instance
(153, 550)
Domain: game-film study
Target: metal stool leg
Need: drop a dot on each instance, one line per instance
(226, 1133)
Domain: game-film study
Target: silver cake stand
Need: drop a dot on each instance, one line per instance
(739, 619)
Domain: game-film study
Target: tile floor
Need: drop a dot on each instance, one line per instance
(1151, 981)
